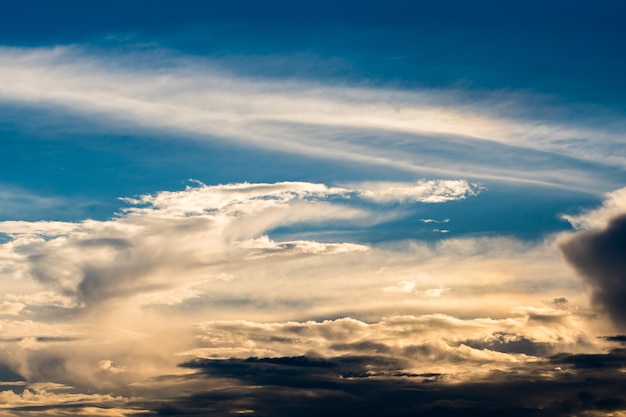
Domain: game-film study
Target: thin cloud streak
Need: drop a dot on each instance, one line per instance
(183, 95)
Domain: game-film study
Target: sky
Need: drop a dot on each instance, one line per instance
(346, 208)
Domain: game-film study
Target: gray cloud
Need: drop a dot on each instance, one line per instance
(599, 256)
(372, 386)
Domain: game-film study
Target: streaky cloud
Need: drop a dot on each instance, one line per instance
(194, 97)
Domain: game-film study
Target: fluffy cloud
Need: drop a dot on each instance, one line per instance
(599, 257)
(193, 277)
(44, 398)
(597, 253)
(9, 308)
(193, 234)
(423, 191)
(185, 232)
(613, 206)
(429, 342)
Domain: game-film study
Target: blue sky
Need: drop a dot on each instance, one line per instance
(349, 201)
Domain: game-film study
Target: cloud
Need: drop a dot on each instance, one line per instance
(426, 365)
(264, 246)
(409, 287)
(444, 133)
(111, 308)
(598, 255)
(596, 250)
(374, 385)
(431, 343)
(437, 191)
(95, 260)
(405, 287)
(614, 205)
(18, 203)
(434, 221)
(195, 233)
(42, 398)
(11, 309)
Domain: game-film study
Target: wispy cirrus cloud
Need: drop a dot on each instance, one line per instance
(426, 131)
(18, 203)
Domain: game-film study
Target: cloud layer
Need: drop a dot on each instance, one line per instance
(597, 253)
(184, 290)
(444, 133)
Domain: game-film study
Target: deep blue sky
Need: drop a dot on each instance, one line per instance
(572, 49)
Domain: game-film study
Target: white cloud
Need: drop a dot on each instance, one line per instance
(107, 365)
(190, 233)
(193, 97)
(265, 246)
(435, 292)
(613, 206)
(423, 191)
(410, 287)
(405, 287)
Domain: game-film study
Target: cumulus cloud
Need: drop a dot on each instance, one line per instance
(430, 343)
(599, 257)
(111, 308)
(429, 365)
(196, 233)
(93, 261)
(423, 191)
(596, 252)
(613, 206)
(59, 399)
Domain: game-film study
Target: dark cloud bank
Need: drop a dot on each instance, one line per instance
(600, 257)
(375, 386)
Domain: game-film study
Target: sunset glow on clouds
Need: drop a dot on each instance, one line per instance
(242, 212)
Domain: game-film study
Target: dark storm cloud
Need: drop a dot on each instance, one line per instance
(615, 359)
(46, 366)
(509, 343)
(8, 375)
(600, 257)
(369, 386)
(617, 338)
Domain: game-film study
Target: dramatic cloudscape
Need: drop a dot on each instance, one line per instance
(278, 208)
